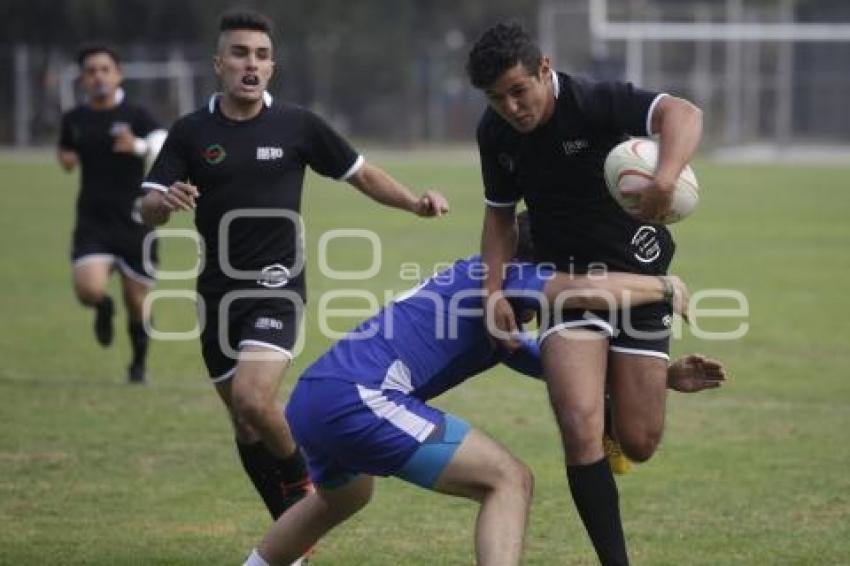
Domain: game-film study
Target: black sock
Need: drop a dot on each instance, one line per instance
(270, 475)
(595, 496)
(138, 341)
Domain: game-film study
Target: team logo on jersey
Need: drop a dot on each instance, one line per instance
(214, 154)
(269, 153)
(645, 243)
(273, 276)
(266, 323)
(571, 147)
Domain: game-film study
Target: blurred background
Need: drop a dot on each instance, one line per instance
(770, 74)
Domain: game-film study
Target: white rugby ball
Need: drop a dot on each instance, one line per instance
(632, 165)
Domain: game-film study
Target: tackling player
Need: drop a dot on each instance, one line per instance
(361, 409)
(110, 139)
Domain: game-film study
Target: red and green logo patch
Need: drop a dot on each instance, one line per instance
(214, 154)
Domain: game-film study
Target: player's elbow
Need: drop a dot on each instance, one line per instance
(688, 114)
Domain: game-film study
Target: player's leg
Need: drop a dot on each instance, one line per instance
(303, 524)
(248, 387)
(136, 279)
(264, 443)
(637, 380)
(135, 289)
(575, 364)
(91, 278)
(482, 470)
(638, 386)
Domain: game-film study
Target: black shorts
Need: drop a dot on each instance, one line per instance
(643, 330)
(122, 246)
(271, 323)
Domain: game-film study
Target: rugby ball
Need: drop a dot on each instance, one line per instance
(632, 163)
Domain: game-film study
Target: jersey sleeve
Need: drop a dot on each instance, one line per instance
(616, 107)
(327, 153)
(524, 284)
(144, 123)
(172, 163)
(67, 139)
(497, 172)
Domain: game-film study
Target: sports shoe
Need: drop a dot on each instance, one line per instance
(137, 374)
(618, 461)
(103, 328)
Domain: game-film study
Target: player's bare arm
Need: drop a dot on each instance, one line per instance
(616, 290)
(679, 126)
(68, 159)
(383, 188)
(498, 246)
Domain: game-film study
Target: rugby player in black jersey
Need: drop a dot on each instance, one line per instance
(544, 139)
(111, 140)
(238, 163)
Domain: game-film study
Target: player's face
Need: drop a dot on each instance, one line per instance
(244, 64)
(523, 98)
(100, 76)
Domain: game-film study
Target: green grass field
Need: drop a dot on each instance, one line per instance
(93, 471)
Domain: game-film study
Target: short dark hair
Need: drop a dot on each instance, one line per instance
(524, 245)
(93, 49)
(498, 49)
(243, 19)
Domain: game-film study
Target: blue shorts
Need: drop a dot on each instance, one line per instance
(345, 429)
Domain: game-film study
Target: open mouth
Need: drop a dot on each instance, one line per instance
(251, 80)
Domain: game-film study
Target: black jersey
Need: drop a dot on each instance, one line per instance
(558, 170)
(109, 183)
(250, 176)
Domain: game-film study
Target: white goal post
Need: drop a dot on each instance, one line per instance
(747, 34)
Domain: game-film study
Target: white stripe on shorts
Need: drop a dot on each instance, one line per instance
(398, 415)
(637, 352)
(92, 258)
(584, 323)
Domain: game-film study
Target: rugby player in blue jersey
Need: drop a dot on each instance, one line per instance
(361, 409)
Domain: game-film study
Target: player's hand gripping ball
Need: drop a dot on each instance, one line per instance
(631, 165)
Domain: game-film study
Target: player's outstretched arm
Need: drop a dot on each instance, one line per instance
(383, 188)
(689, 374)
(615, 290)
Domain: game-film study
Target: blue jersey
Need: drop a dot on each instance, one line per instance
(433, 337)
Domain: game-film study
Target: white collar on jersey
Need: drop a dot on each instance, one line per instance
(556, 84)
(118, 98)
(267, 100)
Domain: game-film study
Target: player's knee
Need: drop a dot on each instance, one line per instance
(88, 296)
(524, 480)
(251, 409)
(639, 446)
(516, 476)
(581, 431)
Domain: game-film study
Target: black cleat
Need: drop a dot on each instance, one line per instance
(103, 327)
(137, 374)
